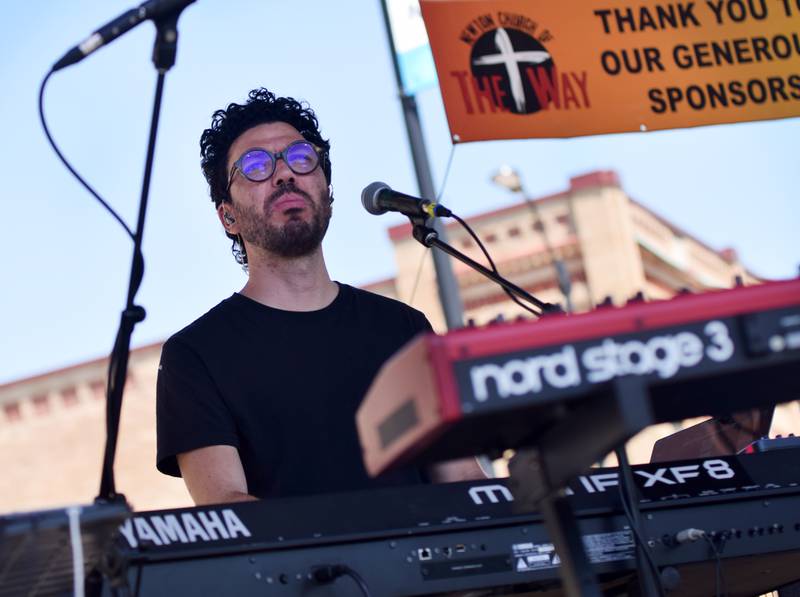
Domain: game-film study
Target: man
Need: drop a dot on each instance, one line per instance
(257, 397)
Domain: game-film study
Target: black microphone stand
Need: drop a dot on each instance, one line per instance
(428, 237)
(164, 51)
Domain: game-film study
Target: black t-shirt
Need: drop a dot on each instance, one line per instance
(283, 388)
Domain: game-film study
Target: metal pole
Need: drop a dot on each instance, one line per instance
(447, 286)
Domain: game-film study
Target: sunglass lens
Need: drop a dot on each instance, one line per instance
(257, 165)
(301, 157)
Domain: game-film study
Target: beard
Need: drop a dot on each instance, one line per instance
(297, 237)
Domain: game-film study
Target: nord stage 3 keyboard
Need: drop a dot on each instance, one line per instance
(427, 540)
(482, 390)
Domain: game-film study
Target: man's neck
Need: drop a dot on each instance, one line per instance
(296, 284)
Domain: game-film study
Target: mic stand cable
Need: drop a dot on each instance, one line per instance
(649, 579)
(430, 238)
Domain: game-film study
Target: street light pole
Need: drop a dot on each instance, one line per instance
(510, 179)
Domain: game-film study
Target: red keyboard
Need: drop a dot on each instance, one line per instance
(479, 390)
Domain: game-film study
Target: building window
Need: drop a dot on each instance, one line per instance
(515, 231)
(12, 411)
(98, 388)
(538, 226)
(40, 404)
(563, 219)
(490, 238)
(466, 243)
(69, 396)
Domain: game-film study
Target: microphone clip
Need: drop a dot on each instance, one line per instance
(422, 233)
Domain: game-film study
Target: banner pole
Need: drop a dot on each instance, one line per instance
(447, 286)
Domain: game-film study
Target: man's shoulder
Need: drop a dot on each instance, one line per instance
(209, 325)
(379, 301)
(388, 312)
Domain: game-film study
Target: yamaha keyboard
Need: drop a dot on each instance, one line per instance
(468, 536)
(483, 390)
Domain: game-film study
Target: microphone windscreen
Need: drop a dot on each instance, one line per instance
(369, 197)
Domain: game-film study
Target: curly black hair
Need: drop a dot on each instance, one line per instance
(262, 106)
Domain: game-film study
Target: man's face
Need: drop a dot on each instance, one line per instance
(287, 214)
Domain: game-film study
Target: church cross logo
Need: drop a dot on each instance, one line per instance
(513, 61)
(510, 69)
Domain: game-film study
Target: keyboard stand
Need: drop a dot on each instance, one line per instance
(578, 437)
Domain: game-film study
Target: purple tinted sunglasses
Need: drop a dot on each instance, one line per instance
(258, 164)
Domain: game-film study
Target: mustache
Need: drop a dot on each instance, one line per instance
(289, 187)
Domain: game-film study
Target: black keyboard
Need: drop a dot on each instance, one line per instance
(470, 536)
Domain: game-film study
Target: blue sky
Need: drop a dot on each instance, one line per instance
(65, 262)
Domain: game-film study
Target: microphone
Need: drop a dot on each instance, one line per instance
(152, 9)
(378, 198)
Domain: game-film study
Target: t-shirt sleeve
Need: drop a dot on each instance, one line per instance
(190, 412)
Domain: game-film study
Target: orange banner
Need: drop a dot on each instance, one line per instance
(525, 68)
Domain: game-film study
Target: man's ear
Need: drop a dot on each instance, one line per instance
(227, 219)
